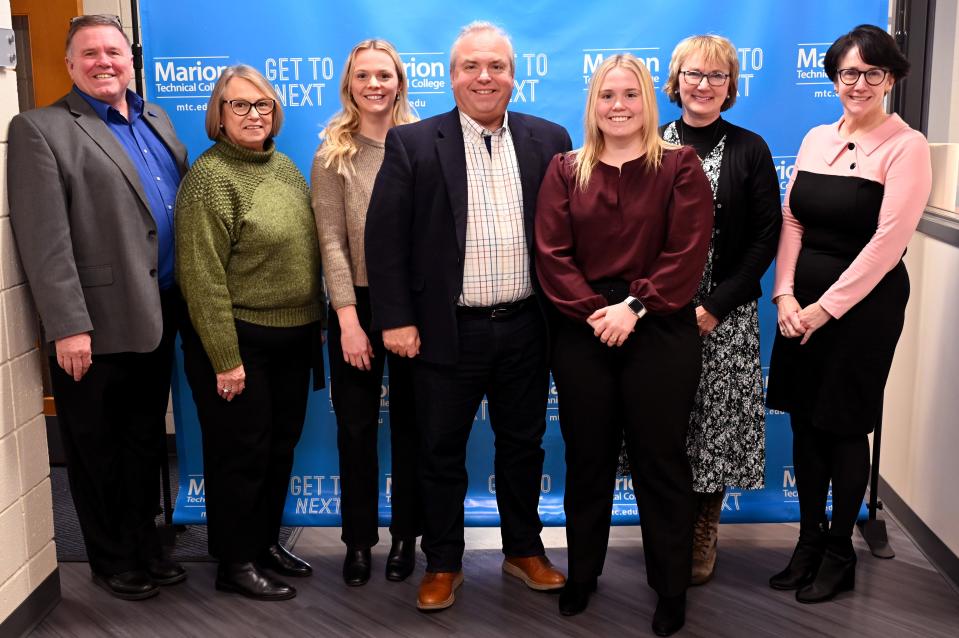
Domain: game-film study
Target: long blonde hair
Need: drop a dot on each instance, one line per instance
(339, 147)
(653, 145)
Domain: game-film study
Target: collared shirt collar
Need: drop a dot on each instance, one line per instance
(475, 131)
(868, 142)
(104, 111)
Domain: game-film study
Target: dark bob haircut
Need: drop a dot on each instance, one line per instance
(876, 47)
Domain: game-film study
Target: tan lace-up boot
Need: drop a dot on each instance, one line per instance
(705, 535)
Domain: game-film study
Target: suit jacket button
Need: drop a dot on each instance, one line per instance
(151, 234)
(153, 272)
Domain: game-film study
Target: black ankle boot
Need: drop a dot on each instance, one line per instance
(575, 596)
(402, 559)
(804, 563)
(246, 579)
(836, 574)
(670, 615)
(356, 566)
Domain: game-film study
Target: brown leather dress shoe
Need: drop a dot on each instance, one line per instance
(536, 571)
(437, 590)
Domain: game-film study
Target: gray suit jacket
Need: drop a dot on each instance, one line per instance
(86, 237)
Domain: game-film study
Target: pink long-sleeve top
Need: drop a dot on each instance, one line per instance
(891, 154)
(648, 228)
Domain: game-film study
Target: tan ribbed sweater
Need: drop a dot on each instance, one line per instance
(339, 205)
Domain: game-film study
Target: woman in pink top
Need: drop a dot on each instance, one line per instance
(855, 199)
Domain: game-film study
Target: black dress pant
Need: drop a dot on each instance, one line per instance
(506, 361)
(356, 400)
(248, 442)
(645, 390)
(112, 423)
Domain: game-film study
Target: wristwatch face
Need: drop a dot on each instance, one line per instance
(636, 306)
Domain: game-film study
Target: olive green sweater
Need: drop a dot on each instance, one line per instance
(246, 246)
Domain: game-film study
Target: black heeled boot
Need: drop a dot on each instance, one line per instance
(804, 563)
(836, 574)
(670, 615)
(575, 596)
(402, 559)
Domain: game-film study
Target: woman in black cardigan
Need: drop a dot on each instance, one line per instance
(726, 439)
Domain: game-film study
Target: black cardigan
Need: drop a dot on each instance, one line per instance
(748, 220)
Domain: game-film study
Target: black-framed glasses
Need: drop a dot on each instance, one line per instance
(716, 78)
(874, 77)
(242, 107)
(115, 19)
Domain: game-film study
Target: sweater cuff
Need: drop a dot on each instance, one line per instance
(341, 297)
(225, 358)
(709, 304)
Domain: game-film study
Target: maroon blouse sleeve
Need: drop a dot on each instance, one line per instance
(676, 272)
(559, 274)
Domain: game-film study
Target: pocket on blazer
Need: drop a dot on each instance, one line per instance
(91, 276)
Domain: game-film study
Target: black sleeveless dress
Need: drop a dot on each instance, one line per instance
(836, 381)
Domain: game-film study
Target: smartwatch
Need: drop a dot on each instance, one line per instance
(636, 306)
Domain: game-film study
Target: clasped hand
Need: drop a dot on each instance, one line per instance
(231, 383)
(795, 321)
(403, 341)
(613, 324)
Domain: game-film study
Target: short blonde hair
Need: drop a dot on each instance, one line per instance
(653, 145)
(338, 144)
(214, 108)
(715, 49)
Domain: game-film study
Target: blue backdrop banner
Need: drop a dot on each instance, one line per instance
(301, 48)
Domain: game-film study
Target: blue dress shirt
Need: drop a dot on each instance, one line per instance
(156, 167)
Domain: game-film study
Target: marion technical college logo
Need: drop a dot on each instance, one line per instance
(649, 56)
(187, 79)
(785, 168)
(426, 76)
(809, 71)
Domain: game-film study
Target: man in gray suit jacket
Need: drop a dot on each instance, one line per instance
(92, 183)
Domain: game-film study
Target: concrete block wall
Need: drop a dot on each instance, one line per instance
(27, 552)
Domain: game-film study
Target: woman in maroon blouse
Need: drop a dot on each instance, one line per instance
(622, 229)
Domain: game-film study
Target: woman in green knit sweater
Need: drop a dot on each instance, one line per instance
(248, 265)
(374, 98)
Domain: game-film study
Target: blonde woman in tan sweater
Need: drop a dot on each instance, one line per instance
(373, 93)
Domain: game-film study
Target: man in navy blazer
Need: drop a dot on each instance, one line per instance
(449, 247)
(92, 182)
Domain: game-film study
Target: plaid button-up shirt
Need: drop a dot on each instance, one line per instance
(496, 263)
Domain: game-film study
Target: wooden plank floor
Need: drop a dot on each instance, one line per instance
(900, 597)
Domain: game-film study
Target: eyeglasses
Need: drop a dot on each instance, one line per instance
(715, 78)
(874, 77)
(242, 107)
(115, 19)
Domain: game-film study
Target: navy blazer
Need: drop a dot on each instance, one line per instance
(416, 222)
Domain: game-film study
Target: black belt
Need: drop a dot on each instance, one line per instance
(499, 312)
